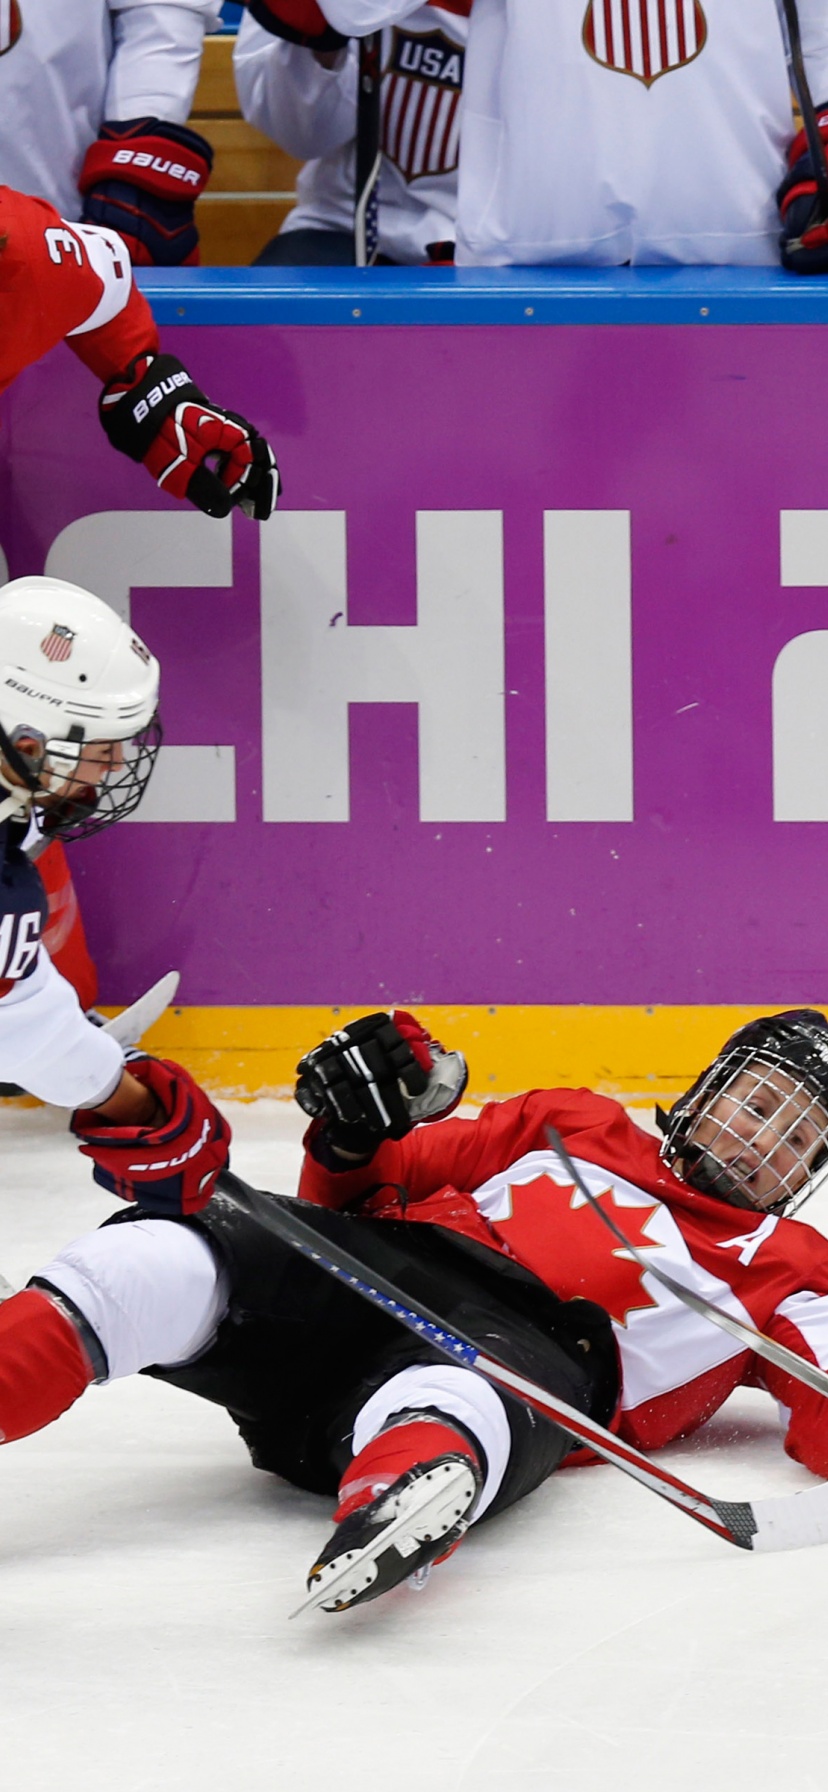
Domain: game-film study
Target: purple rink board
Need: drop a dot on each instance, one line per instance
(703, 437)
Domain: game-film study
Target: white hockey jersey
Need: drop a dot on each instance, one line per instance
(311, 112)
(600, 132)
(64, 68)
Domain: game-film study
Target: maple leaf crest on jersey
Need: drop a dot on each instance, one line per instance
(11, 25)
(421, 89)
(578, 1236)
(644, 38)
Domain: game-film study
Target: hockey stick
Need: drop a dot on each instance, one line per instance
(368, 152)
(132, 1023)
(789, 22)
(789, 1360)
(333, 1242)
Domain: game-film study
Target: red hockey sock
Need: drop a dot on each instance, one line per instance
(396, 1452)
(43, 1365)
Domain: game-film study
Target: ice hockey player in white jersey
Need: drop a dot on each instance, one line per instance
(487, 1227)
(79, 736)
(602, 132)
(94, 99)
(306, 101)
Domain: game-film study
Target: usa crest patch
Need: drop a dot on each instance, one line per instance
(644, 38)
(57, 645)
(11, 25)
(420, 103)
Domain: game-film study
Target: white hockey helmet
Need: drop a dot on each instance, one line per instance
(71, 672)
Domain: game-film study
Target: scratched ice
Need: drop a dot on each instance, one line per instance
(591, 1637)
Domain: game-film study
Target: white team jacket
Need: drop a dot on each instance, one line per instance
(311, 112)
(585, 144)
(66, 67)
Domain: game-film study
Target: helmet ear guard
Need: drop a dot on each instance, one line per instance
(714, 1151)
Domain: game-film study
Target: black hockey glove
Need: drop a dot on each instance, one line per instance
(803, 244)
(155, 413)
(378, 1078)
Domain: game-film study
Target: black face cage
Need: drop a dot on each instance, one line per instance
(87, 809)
(711, 1167)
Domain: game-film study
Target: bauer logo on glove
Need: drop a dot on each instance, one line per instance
(155, 413)
(142, 178)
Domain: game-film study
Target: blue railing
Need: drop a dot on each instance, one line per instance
(525, 296)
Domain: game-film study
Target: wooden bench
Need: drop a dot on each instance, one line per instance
(253, 185)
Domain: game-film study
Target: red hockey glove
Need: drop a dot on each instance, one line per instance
(169, 1168)
(142, 178)
(155, 413)
(298, 21)
(804, 242)
(376, 1079)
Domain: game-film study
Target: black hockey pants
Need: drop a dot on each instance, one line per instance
(300, 1352)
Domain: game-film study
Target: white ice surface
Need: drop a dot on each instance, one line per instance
(591, 1640)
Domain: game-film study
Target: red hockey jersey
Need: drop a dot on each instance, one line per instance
(497, 1180)
(71, 281)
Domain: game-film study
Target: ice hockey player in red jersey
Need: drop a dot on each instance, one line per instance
(61, 281)
(73, 282)
(484, 1220)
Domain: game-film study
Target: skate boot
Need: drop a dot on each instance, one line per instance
(405, 1502)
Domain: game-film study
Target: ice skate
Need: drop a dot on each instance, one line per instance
(395, 1535)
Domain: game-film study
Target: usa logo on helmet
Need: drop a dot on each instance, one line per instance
(11, 25)
(57, 645)
(644, 38)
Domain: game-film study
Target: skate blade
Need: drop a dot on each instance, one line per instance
(427, 1508)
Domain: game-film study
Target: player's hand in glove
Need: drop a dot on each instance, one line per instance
(142, 178)
(378, 1078)
(804, 241)
(156, 414)
(171, 1166)
(298, 21)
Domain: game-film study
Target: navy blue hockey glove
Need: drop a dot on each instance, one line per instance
(804, 240)
(376, 1079)
(169, 1168)
(142, 178)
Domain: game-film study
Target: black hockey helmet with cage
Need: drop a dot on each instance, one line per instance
(794, 1042)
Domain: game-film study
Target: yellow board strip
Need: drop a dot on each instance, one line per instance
(640, 1054)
